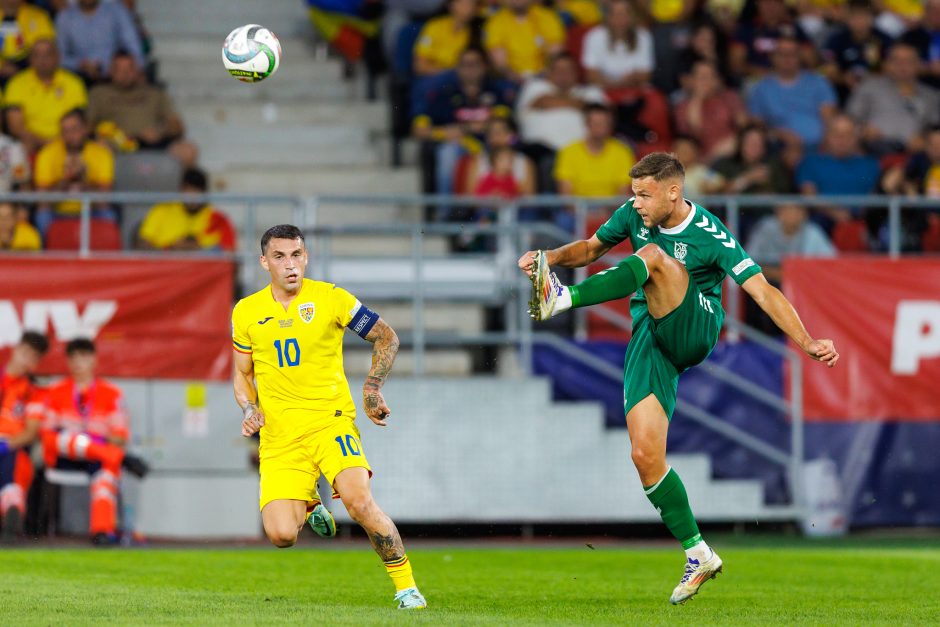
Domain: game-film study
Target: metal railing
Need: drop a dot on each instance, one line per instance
(506, 286)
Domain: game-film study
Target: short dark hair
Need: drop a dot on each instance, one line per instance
(596, 107)
(80, 345)
(78, 112)
(36, 341)
(660, 166)
(194, 177)
(281, 231)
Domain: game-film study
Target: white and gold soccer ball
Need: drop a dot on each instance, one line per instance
(251, 53)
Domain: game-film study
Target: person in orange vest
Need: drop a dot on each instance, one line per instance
(21, 413)
(88, 428)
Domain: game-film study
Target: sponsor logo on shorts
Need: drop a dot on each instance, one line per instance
(741, 267)
(306, 311)
(681, 250)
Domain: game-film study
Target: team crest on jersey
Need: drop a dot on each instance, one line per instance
(306, 311)
(681, 251)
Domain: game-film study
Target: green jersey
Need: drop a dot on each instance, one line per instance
(701, 243)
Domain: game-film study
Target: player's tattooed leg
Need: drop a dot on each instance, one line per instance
(388, 546)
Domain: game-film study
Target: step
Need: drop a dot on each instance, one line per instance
(304, 180)
(218, 155)
(386, 246)
(370, 115)
(280, 138)
(448, 363)
(276, 88)
(211, 17)
(438, 317)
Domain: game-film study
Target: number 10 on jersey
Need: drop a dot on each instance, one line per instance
(290, 352)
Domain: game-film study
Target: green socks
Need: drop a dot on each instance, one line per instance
(611, 284)
(670, 500)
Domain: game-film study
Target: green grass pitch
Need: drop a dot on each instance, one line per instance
(781, 583)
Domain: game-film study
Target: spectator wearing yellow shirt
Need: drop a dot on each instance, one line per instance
(14, 234)
(521, 36)
(22, 26)
(443, 38)
(187, 226)
(38, 97)
(73, 163)
(598, 165)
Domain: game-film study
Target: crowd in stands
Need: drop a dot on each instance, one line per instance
(811, 97)
(79, 93)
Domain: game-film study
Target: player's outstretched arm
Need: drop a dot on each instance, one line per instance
(781, 311)
(384, 349)
(576, 254)
(243, 380)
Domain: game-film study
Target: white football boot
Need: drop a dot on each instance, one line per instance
(545, 289)
(696, 573)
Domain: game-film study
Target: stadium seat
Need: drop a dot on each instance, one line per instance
(65, 234)
(643, 116)
(575, 43)
(460, 175)
(55, 480)
(850, 236)
(146, 170)
(930, 240)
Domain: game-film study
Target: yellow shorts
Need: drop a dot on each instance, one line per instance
(290, 469)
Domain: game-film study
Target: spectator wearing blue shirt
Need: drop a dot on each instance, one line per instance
(794, 104)
(838, 168)
(91, 32)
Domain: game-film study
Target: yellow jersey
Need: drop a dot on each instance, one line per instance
(602, 174)
(525, 39)
(298, 357)
(440, 42)
(31, 25)
(43, 104)
(50, 168)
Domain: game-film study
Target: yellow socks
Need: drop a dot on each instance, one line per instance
(400, 572)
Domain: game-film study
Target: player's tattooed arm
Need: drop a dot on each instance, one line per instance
(575, 254)
(384, 349)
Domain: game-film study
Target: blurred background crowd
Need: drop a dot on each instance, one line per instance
(510, 98)
(812, 97)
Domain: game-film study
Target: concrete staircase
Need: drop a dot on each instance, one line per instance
(456, 450)
(306, 130)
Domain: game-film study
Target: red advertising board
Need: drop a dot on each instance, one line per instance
(156, 318)
(884, 317)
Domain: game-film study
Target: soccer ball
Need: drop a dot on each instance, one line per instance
(251, 53)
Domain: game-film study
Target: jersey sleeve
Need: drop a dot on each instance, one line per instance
(730, 255)
(240, 338)
(618, 227)
(345, 306)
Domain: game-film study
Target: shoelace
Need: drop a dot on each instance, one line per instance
(689, 571)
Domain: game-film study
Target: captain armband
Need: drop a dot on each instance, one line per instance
(363, 319)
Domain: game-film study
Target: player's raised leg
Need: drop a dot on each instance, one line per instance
(648, 426)
(352, 484)
(664, 279)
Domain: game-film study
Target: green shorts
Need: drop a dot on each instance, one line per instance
(661, 349)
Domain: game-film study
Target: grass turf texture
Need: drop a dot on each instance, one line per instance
(796, 582)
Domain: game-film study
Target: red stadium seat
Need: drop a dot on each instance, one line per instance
(575, 42)
(460, 174)
(65, 234)
(930, 240)
(850, 236)
(654, 116)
